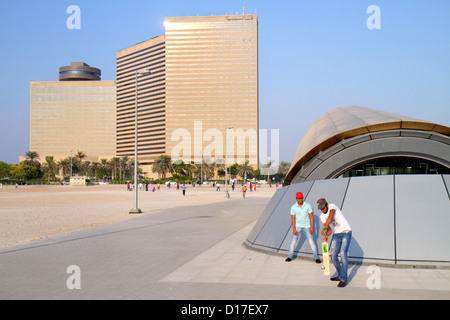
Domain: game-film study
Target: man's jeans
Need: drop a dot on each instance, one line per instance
(309, 236)
(339, 246)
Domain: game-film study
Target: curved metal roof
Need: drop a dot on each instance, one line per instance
(346, 122)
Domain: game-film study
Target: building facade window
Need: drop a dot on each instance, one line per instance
(395, 165)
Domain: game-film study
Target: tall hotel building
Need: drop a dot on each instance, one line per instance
(149, 91)
(203, 80)
(76, 113)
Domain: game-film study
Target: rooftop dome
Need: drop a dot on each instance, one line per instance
(79, 71)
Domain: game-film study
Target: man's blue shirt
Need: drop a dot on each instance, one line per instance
(302, 219)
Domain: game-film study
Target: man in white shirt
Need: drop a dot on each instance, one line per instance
(332, 216)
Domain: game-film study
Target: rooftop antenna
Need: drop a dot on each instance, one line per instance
(243, 10)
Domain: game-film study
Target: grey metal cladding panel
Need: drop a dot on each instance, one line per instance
(355, 140)
(446, 178)
(440, 138)
(385, 134)
(415, 133)
(266, 214)
(279, 222)
(323, 155)
(422, 218)
(310, 167)
(333, 190)
(369, 209)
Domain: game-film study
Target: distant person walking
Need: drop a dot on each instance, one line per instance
(332, 216)
(183, 187)
(244, 190)
(302, 220)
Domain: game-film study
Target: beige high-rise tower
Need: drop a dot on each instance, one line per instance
(149, 92)
(200, 100)
(74, 114)
(212, 85)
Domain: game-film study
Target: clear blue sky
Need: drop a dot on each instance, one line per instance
(314, 56)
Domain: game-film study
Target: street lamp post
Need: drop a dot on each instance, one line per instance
(71, 152)
(135, 208)
(226, 156)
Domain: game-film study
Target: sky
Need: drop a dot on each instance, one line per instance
(314, 55)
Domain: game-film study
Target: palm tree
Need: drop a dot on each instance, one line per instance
(129, 167)
(123, 167)
(189, 169)
(267, 166)
(115, 164)
(64, 166)
(32, 158)
(77, 162)
(218, 165)
(208, 169)
(80, 155)
(283, 168)
(163, 165)
(104, 168)
(93, 168)
(50, 168)
(179, 167)
(245, 169)
(85, 166)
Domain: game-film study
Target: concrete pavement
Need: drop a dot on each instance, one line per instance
(191, 253)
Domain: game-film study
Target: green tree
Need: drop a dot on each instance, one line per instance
(206, 169)
(4, 169)
(245, 169)
(233, 170)
(180, 168)
(283, 169)
(93, 169)
(163, 165)
(218, 165)
(268, 168)
(115, 164)
(124, 167)
(32, 159)
(85, 166)
(23, 172)
(50, 168)
(80, 156)
(64, 166)
(104, 170)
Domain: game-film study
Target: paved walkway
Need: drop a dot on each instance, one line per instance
(191, 253)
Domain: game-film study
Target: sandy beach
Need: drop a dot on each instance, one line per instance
(29, 213)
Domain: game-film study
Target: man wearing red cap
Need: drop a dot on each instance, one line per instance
(302, 221)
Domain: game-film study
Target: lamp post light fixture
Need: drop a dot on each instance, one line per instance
(71, 152)
(226, 156)
(135, 208)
